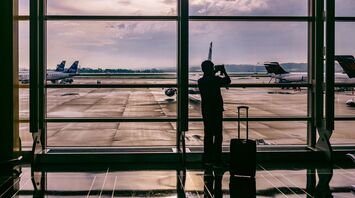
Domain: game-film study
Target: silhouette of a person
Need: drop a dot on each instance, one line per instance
(212, 110)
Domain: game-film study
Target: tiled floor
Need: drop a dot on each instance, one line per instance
(272, 180)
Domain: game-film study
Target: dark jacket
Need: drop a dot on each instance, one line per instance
(210, 90)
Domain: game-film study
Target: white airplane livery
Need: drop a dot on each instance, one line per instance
(347, 62)
(59, 75)
(281, 76)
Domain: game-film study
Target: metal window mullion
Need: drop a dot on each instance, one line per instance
(330, 45)
(108, 120)
(195, 119)
(108, 18)
(263, 85)
(251, 18)
(344, 19)
(311, 129)
(319, 64)
(110, 85)
(183, 65)
(34, 114)
(42, 69)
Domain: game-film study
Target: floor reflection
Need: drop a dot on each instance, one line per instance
(172, 181)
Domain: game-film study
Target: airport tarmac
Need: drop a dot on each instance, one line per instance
(153, 103)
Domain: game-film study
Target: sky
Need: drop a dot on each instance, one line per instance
(153, 44)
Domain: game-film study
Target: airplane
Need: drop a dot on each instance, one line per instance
(24, 76)
(347, 62)
(170, 92)
(54, 76)
(281, 76)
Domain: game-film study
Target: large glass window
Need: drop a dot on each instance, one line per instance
(116, 63)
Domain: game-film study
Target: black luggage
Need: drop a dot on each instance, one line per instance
(243, 151)
(242, 187)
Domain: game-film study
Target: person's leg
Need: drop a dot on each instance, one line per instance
(208, 141)
(218, 137)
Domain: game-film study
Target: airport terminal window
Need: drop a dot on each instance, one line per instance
(112, 7)
(129, 61)
(248, 8)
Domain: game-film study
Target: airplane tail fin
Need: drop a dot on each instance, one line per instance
(347, 62)
(274, 68)
(60, 67)
(73, 68)
(210, 53)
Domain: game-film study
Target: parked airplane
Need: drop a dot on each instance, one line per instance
(24, 76)
(347, 62)
(60, 74)
(281, 76)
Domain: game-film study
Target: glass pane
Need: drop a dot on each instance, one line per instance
(263, 102)
(343, 133)
(344, 45)
(24, 105)
(25, 135)
(344, 101)
(124, 134)
(344, 8)
(266, 133)
(112, 7)
(113, 48)
(23, 50)
(102, 102)
(244, 47)
(248, 8)
(24, 7)
(344, 38)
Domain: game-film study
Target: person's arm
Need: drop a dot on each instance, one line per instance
(226, 79)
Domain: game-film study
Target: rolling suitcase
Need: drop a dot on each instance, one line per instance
(243, 151)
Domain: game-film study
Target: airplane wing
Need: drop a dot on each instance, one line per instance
(347, 62)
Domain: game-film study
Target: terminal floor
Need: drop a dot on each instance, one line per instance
(167, 180)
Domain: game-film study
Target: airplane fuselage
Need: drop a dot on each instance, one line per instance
(302, 77)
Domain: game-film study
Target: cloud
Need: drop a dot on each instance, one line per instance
(111, 7)
(248, 7)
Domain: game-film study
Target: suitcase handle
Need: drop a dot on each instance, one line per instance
(247, 122)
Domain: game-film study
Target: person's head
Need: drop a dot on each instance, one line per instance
(207, 67)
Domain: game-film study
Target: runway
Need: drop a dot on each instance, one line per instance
(153, 103)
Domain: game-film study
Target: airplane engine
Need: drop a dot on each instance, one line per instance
(170, 92)
(350, 103)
